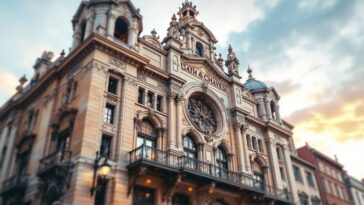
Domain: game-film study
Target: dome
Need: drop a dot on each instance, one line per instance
(252, 84)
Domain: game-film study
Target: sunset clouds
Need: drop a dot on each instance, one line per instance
(311, 51)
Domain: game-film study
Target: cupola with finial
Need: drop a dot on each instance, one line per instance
(232, 62)
(188, 11)
(252, 84)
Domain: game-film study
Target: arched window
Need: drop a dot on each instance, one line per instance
(83, 30)
(273, 110)
(146, 140)
(199, 49)
(258, 171)
(222, 163)
(190, 151)
(121, 30)
(189, 147)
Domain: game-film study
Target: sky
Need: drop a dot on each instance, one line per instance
(310, 51)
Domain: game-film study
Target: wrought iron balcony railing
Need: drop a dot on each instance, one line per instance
(190, 165)
(16, 183)
(280, 194)
(56, 158)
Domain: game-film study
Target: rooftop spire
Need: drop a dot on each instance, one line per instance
(250, 71)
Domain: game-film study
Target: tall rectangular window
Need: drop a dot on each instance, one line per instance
(141, 96)
(32, 118)
(297, 173)
(9, 130)
(3, 152)
(333, 189)
(254, 142)
(160, 103)
(105, 148)
(249, 141)
(109, 114)
(309, 179)
(279, 153)
(112, 85)
(150, 99)
(283, 174)
(260, 145)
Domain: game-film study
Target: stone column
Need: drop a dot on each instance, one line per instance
(89, 25)
(76, 36)
(290, 175)
(245, 150)
(171, 122)
(262, 111)
(278, 114)
(269, 111)
(100, 20)
(111, 25)
(133, 34)
(180, 100)
(274, 164)
(239, 146)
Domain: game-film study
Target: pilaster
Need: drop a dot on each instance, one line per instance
(274, 164)
(239, 146)
(180, 99)
(290, 177)
(171, 121)
(245, 151)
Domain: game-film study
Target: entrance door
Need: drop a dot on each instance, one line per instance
(180, 199)
(143, 196)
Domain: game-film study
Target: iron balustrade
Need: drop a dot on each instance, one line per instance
(186, 164)
(57, 157)
(17, 180)
(280, 194)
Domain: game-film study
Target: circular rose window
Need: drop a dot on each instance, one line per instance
(201, 114)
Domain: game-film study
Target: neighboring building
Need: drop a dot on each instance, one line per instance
(307, 189)
(171, 117)
(329, 175)
(356, 189)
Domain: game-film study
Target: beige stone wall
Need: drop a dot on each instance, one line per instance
(304, 186)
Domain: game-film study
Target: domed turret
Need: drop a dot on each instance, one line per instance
(252, 84)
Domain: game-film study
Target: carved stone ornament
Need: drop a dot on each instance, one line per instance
(201, 115)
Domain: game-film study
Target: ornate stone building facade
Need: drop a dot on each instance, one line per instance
(173, 119)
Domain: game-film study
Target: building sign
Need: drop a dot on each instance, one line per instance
(203, 76)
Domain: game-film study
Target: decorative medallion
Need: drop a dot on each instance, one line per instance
(201, 115)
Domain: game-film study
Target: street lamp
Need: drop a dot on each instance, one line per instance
(101, 173)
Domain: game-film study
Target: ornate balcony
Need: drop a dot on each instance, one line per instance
(57, 159)
(54, 172)
(14, 188)
(166, 164)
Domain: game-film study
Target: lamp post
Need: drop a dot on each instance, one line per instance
(101, 173)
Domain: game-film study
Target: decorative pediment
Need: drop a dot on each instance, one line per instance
(153, 40)
(202, 29)
(248, 96)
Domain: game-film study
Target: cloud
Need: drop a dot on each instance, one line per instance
(311, 52)
(7, 86)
